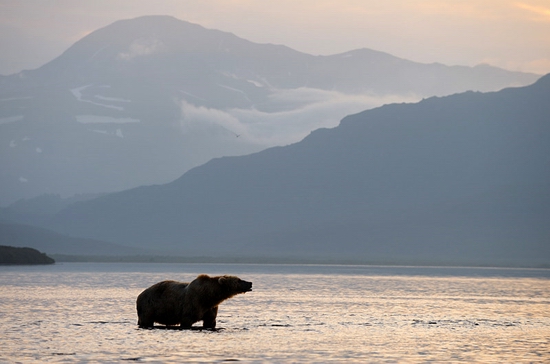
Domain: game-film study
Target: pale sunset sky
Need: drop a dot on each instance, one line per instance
(512, 34)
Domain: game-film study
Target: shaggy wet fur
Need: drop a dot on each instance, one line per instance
(181, 303)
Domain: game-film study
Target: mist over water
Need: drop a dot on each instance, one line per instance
(86, 312)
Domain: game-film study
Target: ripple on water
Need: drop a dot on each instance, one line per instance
(74, 316)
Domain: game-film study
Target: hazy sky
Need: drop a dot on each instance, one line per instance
(511, 34)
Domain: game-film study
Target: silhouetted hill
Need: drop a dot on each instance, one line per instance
(18, 235)
(16, 256)
(463, 179)
(141, 101)
(34, 211)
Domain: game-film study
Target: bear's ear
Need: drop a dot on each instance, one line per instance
(222, 279)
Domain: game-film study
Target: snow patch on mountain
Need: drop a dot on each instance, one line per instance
(77, 93)
(16, 98)
(100, 131)
(141, 47)
(193, 95)
(235, 77)
(116, 99)
(95, 119)
(255, 83)
(10, 119)
(236, 90)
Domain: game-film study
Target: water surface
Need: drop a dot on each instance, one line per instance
(85, 312)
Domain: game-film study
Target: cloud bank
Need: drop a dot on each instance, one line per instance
(288, 117)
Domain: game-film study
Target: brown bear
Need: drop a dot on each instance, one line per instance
(171, 303)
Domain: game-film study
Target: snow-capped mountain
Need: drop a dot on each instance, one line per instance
(141, 101)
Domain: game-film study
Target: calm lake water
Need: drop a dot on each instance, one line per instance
(85, 312)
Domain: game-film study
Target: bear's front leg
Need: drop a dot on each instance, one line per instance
(209, 318)
(186, 324)
(145, 323)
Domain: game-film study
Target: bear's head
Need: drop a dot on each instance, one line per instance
(235, 285)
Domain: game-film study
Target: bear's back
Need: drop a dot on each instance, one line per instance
(163, 290)
(170, 287)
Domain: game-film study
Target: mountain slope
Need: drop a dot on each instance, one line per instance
(141, 101)
(19, 235)
(463, 179)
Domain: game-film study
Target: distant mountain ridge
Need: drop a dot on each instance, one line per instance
(141, 101)
(128, 47)
(462, 179)
(50, 242)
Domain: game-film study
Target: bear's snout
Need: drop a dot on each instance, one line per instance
(246, 286)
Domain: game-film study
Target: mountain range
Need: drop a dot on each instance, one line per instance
(21, 235)
(142, 101)
(461, 179)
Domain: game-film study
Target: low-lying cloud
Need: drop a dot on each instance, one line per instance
(288, 117)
